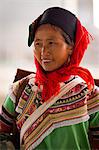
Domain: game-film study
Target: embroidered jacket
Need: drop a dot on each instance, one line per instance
(36, 120)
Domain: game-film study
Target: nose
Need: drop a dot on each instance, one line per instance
(44, 51)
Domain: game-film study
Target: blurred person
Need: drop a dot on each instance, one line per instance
(58, 107)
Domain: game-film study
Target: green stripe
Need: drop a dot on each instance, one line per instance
(9, 105)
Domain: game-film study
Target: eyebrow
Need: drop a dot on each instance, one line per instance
(49, 39)
(37, 40)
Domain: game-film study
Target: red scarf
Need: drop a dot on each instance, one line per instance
(51, 80)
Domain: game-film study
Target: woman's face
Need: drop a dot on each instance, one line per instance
(50, 48)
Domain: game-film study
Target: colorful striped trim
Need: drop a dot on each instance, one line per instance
(29, 144)
(93, 101)
(38, 112)
(71, 107)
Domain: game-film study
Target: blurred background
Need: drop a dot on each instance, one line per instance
(15, 17)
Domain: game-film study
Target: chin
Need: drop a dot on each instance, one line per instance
(48, 69)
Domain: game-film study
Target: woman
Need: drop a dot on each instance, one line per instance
(58, 107)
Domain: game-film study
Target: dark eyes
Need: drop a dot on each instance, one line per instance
(50, 42)
(49, 45)
(40, 44)
(37, 44)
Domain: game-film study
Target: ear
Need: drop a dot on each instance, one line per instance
(70, 49)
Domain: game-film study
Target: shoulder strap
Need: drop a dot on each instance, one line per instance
(20, 90)
(20, 73)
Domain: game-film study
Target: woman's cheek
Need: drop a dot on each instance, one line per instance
(38, 56)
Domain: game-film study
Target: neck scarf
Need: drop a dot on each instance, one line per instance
(50, 80)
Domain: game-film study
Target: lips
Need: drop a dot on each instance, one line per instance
(46, 60)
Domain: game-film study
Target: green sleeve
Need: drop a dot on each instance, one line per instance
(9, 105)
(94, 120)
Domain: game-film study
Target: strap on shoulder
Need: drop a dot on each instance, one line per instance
(21, 74)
